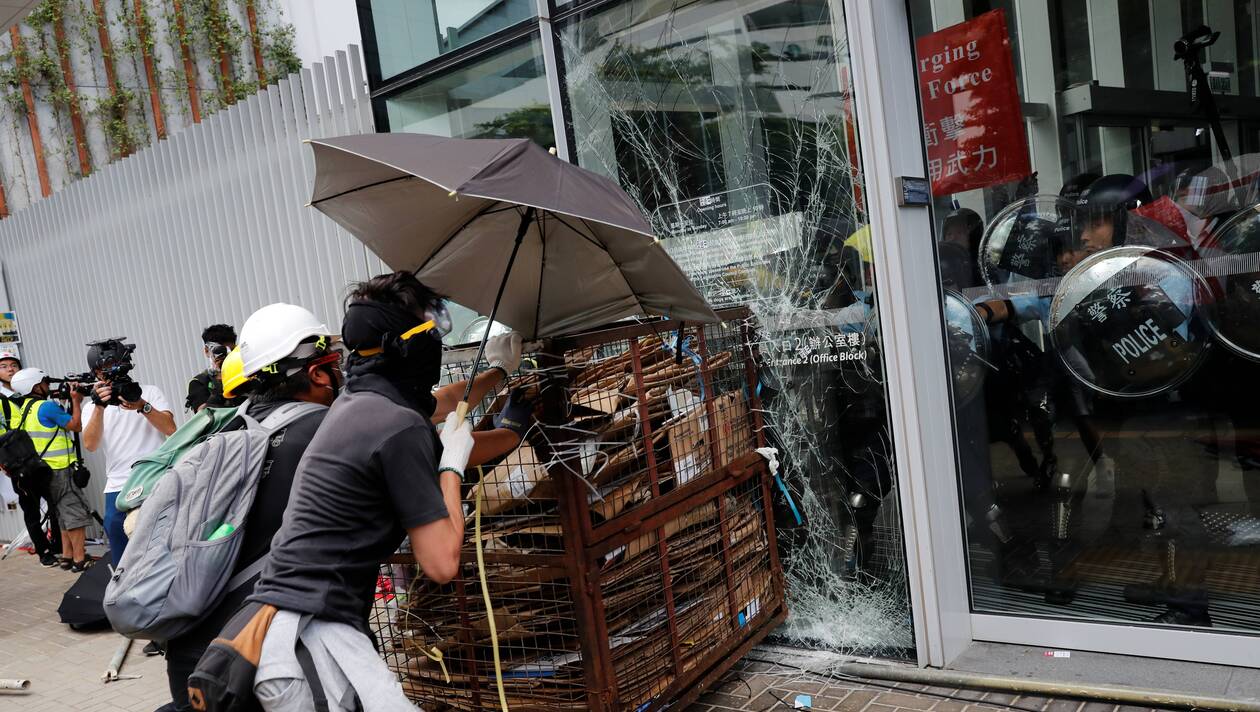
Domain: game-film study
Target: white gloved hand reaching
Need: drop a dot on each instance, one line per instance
(457, 443)
(504, 351)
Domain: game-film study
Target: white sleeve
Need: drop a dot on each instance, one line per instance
(156, 398)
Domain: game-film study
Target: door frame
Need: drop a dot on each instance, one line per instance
(911, 322)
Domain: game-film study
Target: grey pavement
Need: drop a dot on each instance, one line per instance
(65, 668)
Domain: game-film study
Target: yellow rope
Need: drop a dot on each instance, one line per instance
(485, 591)
(436, 656)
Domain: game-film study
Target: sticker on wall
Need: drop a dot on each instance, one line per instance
(1131, 322)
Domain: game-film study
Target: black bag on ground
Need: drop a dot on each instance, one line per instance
(83, 607)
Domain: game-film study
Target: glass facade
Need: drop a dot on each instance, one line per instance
(732, 124)
(1099, 302)
(411, 32)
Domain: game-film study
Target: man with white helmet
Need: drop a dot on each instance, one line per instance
(10, 364)
(49, 426)
(285, 354)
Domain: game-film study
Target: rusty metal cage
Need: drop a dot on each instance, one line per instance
(628, 543)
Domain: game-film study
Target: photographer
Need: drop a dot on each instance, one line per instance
(127, 420)
(206, 388)
(49, 426)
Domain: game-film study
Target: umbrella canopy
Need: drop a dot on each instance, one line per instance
(448, 209)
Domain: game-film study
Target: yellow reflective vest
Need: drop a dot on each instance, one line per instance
(54, 443)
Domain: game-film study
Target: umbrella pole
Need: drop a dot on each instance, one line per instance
(526, 219)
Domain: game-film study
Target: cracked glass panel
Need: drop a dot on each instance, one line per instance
(732, 125)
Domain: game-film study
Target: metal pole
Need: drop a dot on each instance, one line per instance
(526, 218)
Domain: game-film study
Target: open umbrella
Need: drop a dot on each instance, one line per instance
(448, 209)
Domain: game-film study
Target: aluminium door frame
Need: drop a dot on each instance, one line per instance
(911, 322)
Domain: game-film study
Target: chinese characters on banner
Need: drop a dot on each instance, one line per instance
(972, 122)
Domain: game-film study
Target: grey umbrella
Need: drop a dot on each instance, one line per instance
(448, 209)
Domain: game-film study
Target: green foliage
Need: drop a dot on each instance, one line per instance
(46, 13)
(279, 51)
(113, 112)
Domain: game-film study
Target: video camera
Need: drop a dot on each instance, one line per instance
(110, 361)
(59, 388)
(1188, 46)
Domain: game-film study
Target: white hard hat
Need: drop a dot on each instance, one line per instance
(5, 355)
(273, 332)
(24, 381)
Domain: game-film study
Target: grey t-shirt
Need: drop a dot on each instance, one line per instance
(369, 474)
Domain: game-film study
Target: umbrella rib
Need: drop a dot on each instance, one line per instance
(362, 187)
(589, 238)
(455, 233)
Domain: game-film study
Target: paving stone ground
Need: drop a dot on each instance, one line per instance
(65, 667)
(758, 685)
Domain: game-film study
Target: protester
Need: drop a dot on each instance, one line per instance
(206, 388)
(126, 430)
(374, 472)
(286, 356)
(49, 426)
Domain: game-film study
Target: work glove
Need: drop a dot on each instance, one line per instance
(517, 414)
(504, 351)
(457, 443)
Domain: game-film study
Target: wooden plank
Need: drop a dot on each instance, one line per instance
(76, 111)
(155, 98)
(32, 121)
(259, 67)
(190, 67)
(107, 48)
(225, 61)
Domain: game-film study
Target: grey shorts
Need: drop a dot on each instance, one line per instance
(72, 509)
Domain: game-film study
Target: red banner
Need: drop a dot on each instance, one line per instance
(972, 121)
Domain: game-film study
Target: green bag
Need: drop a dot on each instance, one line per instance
(148, 470)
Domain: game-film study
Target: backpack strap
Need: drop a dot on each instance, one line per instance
(284, 415)
(246, 574)
(305, 660)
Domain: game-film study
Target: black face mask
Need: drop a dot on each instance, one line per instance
(414, 365)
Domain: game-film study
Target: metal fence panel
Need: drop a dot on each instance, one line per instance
(203, 227)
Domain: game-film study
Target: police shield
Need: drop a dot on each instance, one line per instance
(1131, 321)
(1231, 263)
(1025, 240)
(967, 337)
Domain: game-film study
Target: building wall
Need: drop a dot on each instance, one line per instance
(221, 230)
(79, 94)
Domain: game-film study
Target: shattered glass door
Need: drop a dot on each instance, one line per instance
(732, 124)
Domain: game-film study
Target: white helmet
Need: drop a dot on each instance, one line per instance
(273, 332)
(24, 381)
(6, 355)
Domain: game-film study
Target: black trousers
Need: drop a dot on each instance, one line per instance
(44, 544)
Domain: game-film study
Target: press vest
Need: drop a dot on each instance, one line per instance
(60, 448)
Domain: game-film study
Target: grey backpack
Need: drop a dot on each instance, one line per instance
(178, 563)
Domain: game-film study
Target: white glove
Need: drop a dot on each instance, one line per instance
(504, 351)
(457, 443)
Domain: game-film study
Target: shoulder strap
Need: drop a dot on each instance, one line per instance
(287, 413)
(246, 574)
(26, 410)
(8, 409)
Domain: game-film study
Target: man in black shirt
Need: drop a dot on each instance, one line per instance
(286, 355)
(376, 471)
(206, 388)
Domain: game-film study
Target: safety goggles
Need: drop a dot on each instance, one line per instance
(437, 320)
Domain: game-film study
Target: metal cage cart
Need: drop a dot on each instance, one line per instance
(628, 544)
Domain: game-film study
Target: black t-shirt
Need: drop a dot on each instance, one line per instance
(265, 515)
(369, 474)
